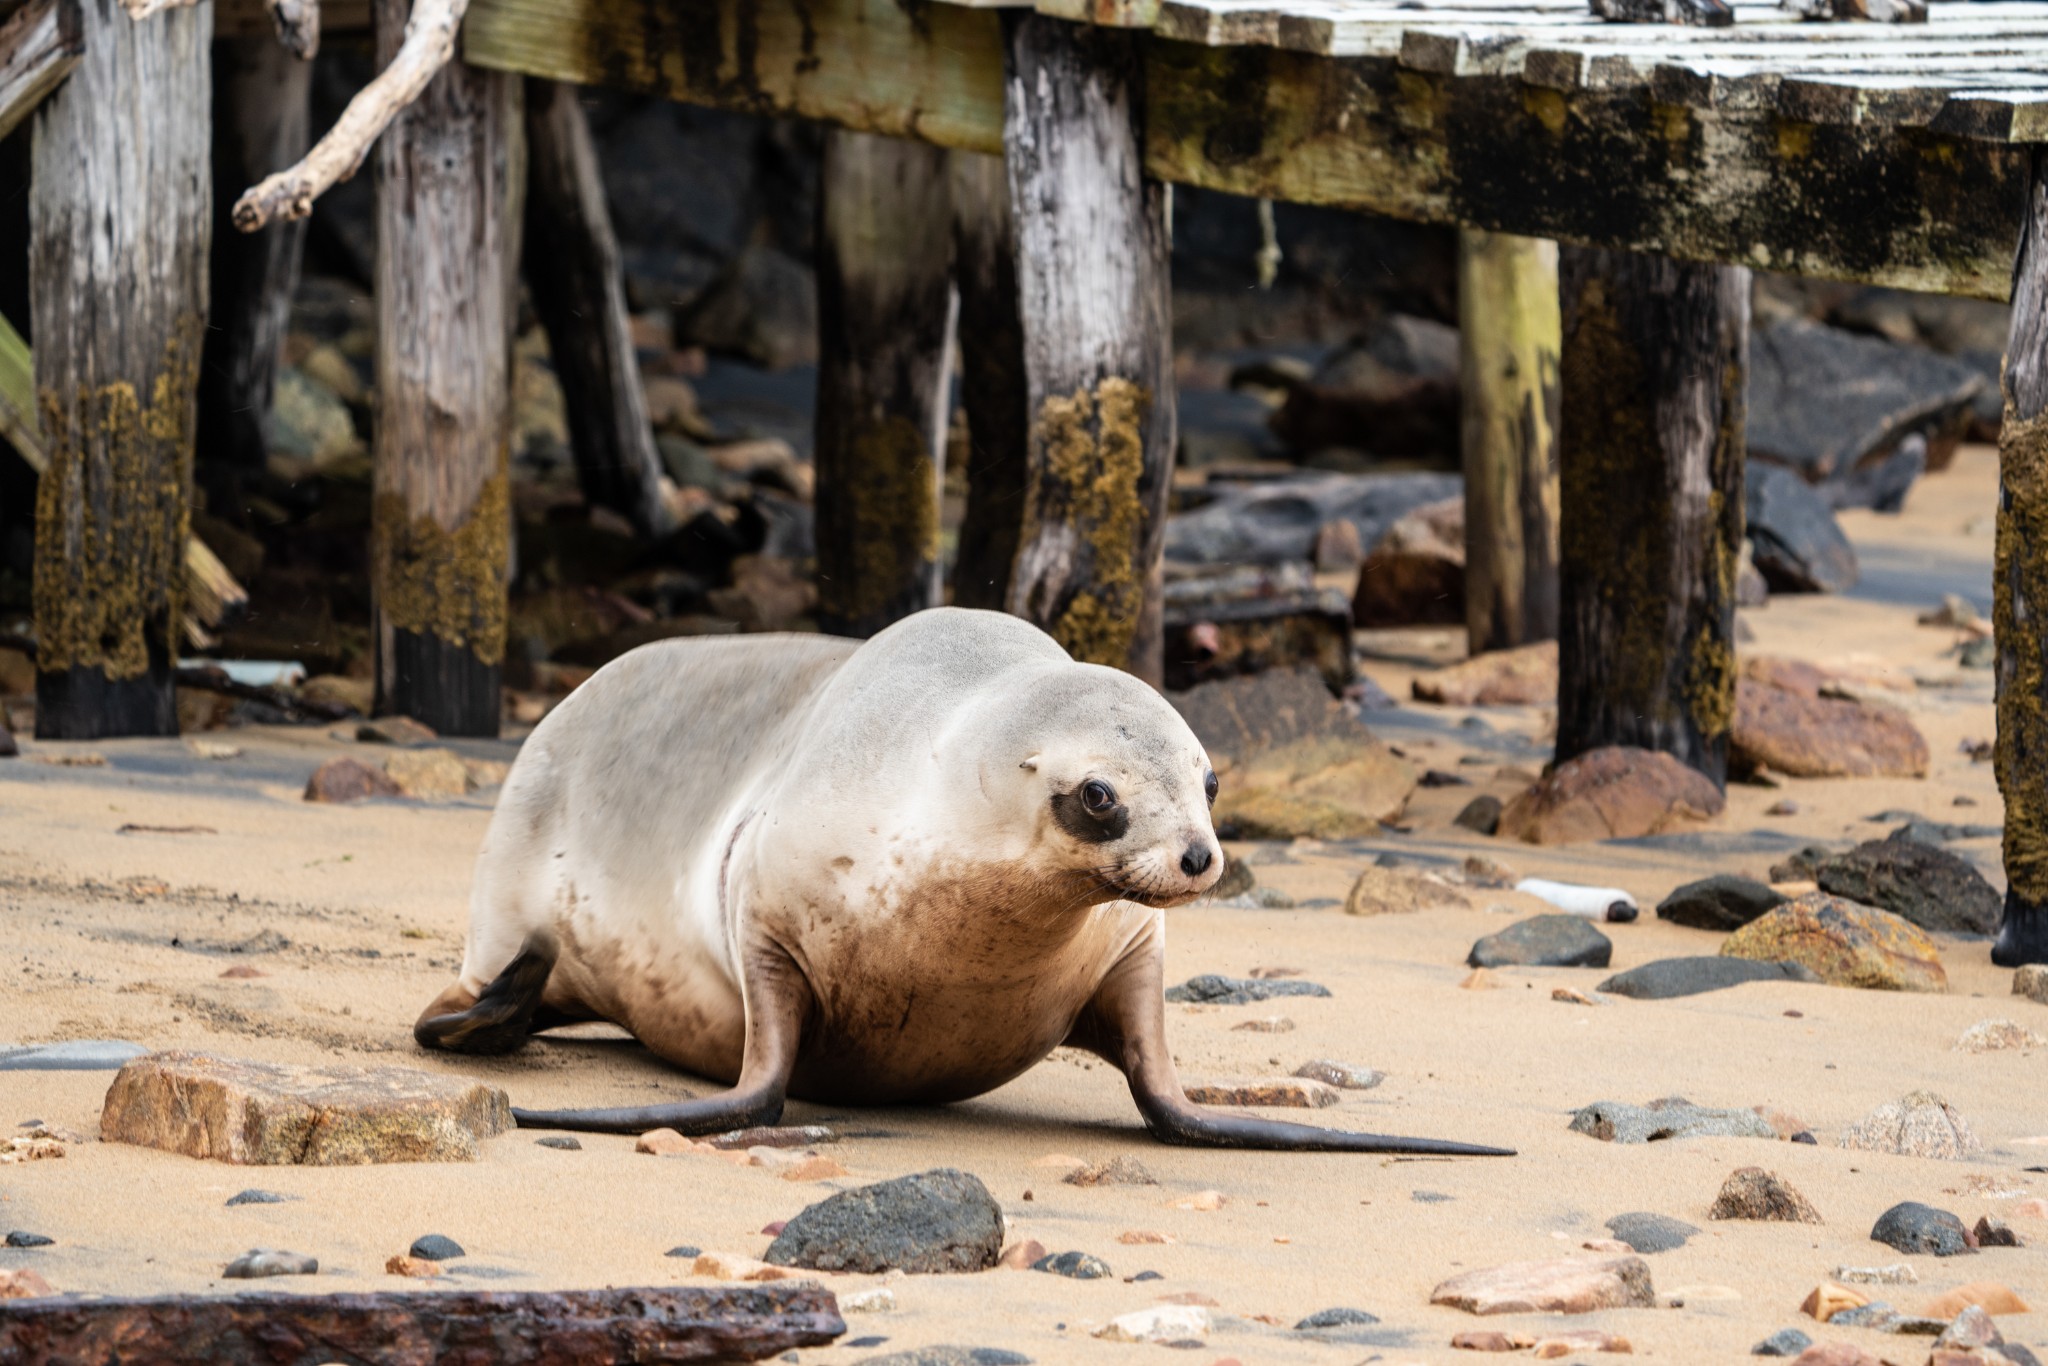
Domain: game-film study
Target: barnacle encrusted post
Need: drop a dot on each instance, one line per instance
(1650, 456)
(441, 517)
(1092, 282)
(119, 225)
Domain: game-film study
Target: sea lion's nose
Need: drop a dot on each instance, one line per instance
(1196, 860)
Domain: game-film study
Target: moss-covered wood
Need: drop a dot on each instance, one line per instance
(1092, 285)
(884, 290)
(441, 516)
(260, 118)
(1650, 445)
(578, 288)
(1508, 337)
(992, 380)
(119, 225)
(2019, 588)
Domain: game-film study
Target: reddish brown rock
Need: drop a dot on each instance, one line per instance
(1615, 792)
(348, 780)
(419, 1268)
(1416, 574)
(1397, 891)
(1827, 1299)
(1573, 1286)
(1020, 1256)
(260, 1113)
(1553, 1345)
(1116, 1171)
(663, 1143)
(1525, 676)
(23, 1284)
(1753, 1193)
(1990, 1296)
(1490, 1340)
(1842, 943)
(1821, 737)
(428, 774)
(1298, 1092)
(1837, 1354)
(1328, 788)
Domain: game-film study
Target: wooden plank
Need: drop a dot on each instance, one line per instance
(870, 65)
(1219, 23)
(1742, 85)
(39, 44)
(1889, 97)
(1870, 204)
(2012, 116)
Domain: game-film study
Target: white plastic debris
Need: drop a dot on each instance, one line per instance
(876, 1299)
(1592, 903)
(1168, 1323)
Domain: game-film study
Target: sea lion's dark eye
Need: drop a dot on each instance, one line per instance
(1209, 786)
(1099, 797)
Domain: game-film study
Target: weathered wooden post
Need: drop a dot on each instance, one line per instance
(1093, 279)
(441, 515)
(259, 126)
(1508, 338)
(992, 381)
(579, 290)
(884, 290)
(1650, 452)
(2019, 593)
(120, 215)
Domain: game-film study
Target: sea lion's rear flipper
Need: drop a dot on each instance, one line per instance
(500, 1019)
(1125, 1024)
(778, 1003)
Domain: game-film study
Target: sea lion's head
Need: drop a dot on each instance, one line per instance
(1119, 787)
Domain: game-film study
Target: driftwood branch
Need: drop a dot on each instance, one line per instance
(138, 10)
(39, 45)
(429, 44)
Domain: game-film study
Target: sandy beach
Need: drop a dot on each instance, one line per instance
(354, 916)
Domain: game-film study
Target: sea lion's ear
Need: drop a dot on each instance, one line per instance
(1030, 764)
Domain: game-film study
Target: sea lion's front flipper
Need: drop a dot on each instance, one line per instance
(778, 1004)
(1125, 1024)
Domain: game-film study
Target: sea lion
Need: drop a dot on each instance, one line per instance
(899, 870)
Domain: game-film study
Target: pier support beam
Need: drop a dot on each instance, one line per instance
(884, 300)
(1092, 277)
(441, 520)
(260, 125)
(2019, 593)
(120, 217)
(1508, 338)
(991, 379)
(1650, 453)
(578, 287)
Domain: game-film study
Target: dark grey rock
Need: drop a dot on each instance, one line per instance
(436, 1247)
(22, 1238)
(1429, 1197)
(1931, 887)
(1671, 1117)
(871, 1340)
(1992, 1232)
(1081, 1266)
(1877, 1314)
(1670, 977)
(74, 1055)
(1148, 1276)
(1273, 521)
(1646, 1232)
(684, 1250)
(1911, 1226)
(1786, 1342)
(935, 1221)
(1826, 402)
(1881, 484)
(566, 1142)
(1795, 542)
(1212, 989)
(1722, 902)
(1550, 941)
(1801, 864)
(260, 1262)
(1237, 880)
(948, 1355)
(1481, 814)
(252, 1196)
(1336, 1318)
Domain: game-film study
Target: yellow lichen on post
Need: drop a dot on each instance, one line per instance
(1094, 456)
(448, 583)
(2020, 568)
(112, 516)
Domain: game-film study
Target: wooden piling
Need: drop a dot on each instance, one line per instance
(259, 126)
(119, 225)
(1508, 338)
(578, 288)
(2019, 593)
(1093, 283)
(992, 380)
(884, 248)
(441, 509)
(1650, 453)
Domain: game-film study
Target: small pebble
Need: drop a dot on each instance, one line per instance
(1335, 1318)
(684, 1250)
(1148, 1276)
(20, 1238)
(876, 1299)
(1786, 1342)
(253, 1196)
(1784, 806)
(563, 1141)
(435, 1248)
(871, 1340)
(260, 1262)
(1078, 1265)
